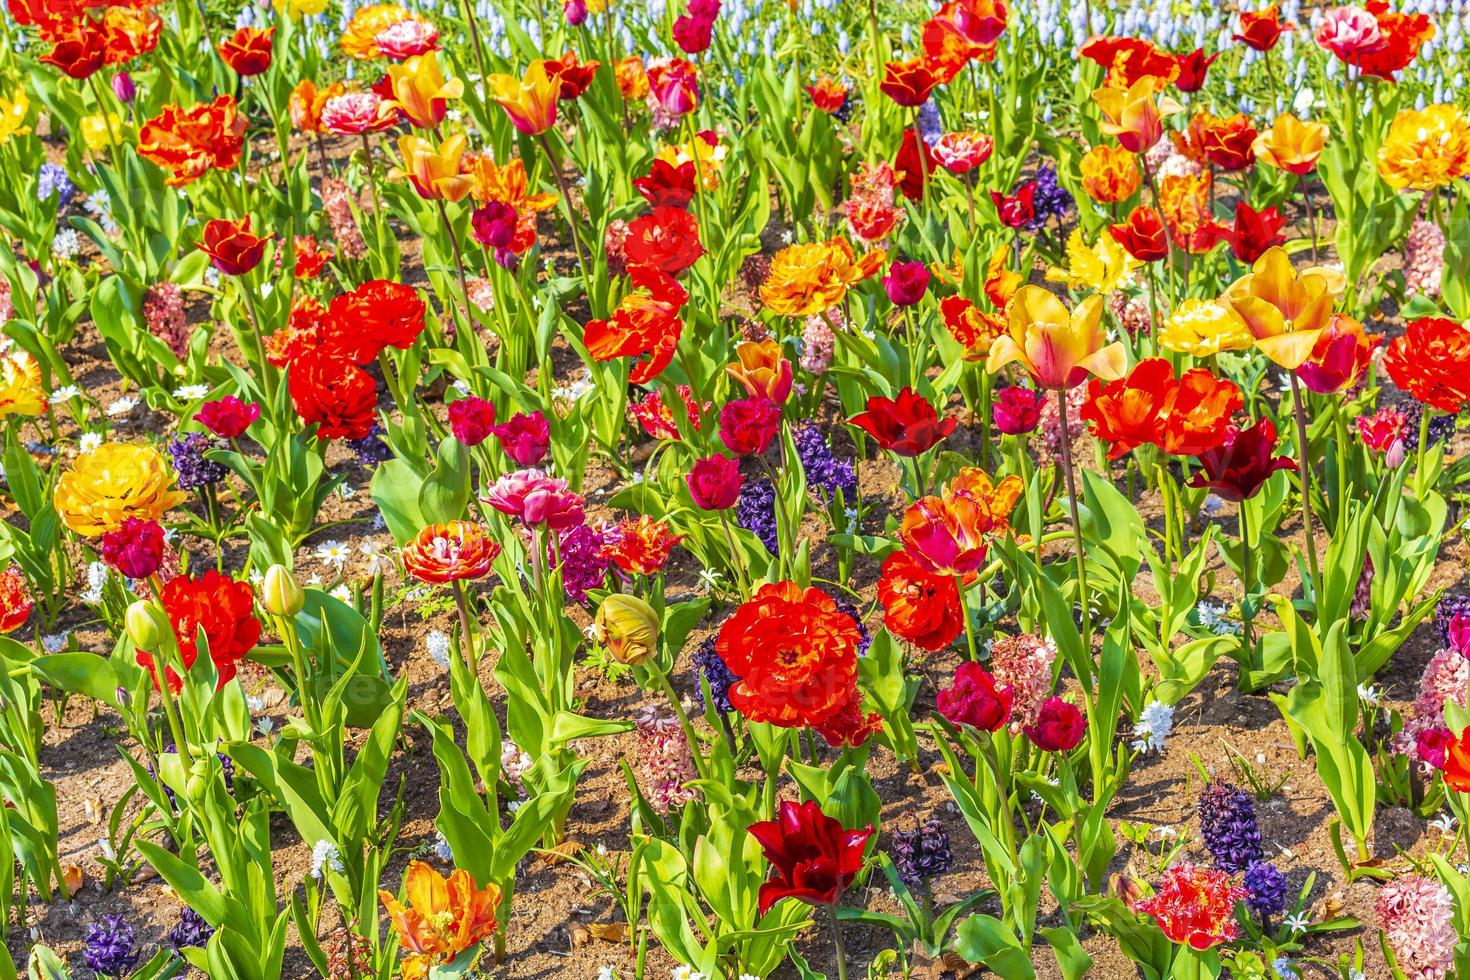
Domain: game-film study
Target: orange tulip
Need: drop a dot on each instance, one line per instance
(1134, 116)
(1057, 348)
(433, 172)
(948, 534)
(421, 91)
(442, 917)
(530, 102)
(762, 370)
(1109, 174)
(1284, 310)
(1291, 144)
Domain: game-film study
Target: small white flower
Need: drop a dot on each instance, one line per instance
(607, 973)
(346, 491)
(342, 594)
(1368, 694)
(380, 558)
(1166, 831)
(1297, 922)
(687, 973)
(709, 579)
(461, 387)
(1153, 727)
(191, 393)
(324, 858)
(96, 580)
(1356, 974)
(442, 850)
(1445, 823)
(437, 643)
(109, 852)
(512, 806)
(334, 553)
(54, 642)
(64, 394)
(66, 244)
(89, 441)
(122, 406)
(264, 726)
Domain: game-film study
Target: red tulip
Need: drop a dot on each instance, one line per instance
(814, 857)
(1142, 235)
(231, 246)
(1239, 466)
(1059, 726)
(908, 82)
(667, 186)
(135, 549)
(1018, 210)
(471, 419)
(1261, 29)
(714, 482)
(248, 50)
(1252, 235)
(908, 425)
(227, 417)
(906, 283)
(974, 700)
(747, 425)
(1192, 69)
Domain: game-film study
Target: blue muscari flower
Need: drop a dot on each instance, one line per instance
(53, 179)
(1283, 969)
(930, 127)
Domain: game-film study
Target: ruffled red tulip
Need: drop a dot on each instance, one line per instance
(814, 858)
(1238, 468)
(1019, 209)
(907, 425)
(747, 425)
(667, 185)
(248, 50)
(918, 605)
(1431, 361)
(227, 417)
(714, 482)
(667, 240)
(1016, 411)
(1059, 726)
(906, 282)
(974, 699)
(79, 48)
(333, 393)
(1457, 763)
(525, 437)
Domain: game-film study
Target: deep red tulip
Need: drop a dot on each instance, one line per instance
(667, 186)
(1142, 235)
(1261, 29)
(714, 482)
(227, 417)
(471, 419)
(135, 549)
(1238, 468)
(1019, 209)
(908, 82)
(1253, 233)
(747, 425)
(1059, 726)
(973, 699)
(525, 438)
(1192, 69)
(1016, 410)
(813, 857)
(906, 283)
(907, 425)
(231, 246)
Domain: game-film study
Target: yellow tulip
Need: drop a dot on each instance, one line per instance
(433, 172)
(628, 627)
(421, 91)
(13, 112)
(1133, 116)
(1284, 310)
(113, 482)
(1291, 145)
(99, 131)
(20, 385)
(1201, 328)
(1057, 348)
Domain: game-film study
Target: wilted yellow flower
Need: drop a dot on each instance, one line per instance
(13, 112)
(1425, 149)
(1101, 267)
(708, 159)
(815, 276)
(1201, 328)
(628, 627)
(360, 39)
(113, 482)
(99, 131)
(20, 385)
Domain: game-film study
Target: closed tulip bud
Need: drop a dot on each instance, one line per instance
(196, 788)
(628, 627)
(147, 624)
(281, 595)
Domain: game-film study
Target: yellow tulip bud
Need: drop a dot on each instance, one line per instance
(281, 594)
(147, 624)
(628, 627)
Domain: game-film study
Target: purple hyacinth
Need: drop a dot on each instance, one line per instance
(53, 179)
(226, 764)
(825, 473)
(1227, 822)
(194, 468)
(1449, 607)
(371, 449)
(1441, 427)
(711, 666)
(755, 510)
(865, 640)
(1267, 889)
(583, 565)
(191, 930)
(111, 949)
(930, 127)
(921, 854)
(1052, 200)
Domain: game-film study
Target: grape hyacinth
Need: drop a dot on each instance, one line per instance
(111, 949)
(1266, 886)
(1441, 427)
(825, 473)
(194, 468)
(922, 854)
(1052, 200)
(371, 449)
(711, 667)
(1227, 821)
(755, 510)
(191, 930)
(53, 179)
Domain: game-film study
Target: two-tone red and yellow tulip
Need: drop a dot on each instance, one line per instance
(1135, 115)
(530, 101)
(421, 91)
(1284, 310)
(1058, 348)
(434, 171)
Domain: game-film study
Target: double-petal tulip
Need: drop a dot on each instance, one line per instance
(1058, 349)
(530, 102)
(948, 534)
(422, 93)
(1284, 310)
(1135, 115)
(1291, 144)
(434, 172)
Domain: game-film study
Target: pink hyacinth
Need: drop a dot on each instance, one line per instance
(337, 202)
(163, 312)
(1131, 312)
(1445, 680)
(1049, 447)
(665, 765)
(7, 308)
(1423, 258)
(1024, 663)
(818, 344)
(1363, 593)
(1418, 917)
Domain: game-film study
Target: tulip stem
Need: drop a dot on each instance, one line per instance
(837, 939)
(464, 286)
(469, 16)
(1066, 455)
(1306, 475)
(466, 638)
(372, 175)
(921, 149)
(566, 203)
(1419, 452)
(1247, 610)
(267, 382)
(1301, 180)
(736, 557)
(959, 584)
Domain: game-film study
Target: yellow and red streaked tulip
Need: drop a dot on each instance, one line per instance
(1135, 115)
(434, 171)
(1058, 348)
(530, 102)
(1284, 310)
(1291, 144)
(421, 90)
